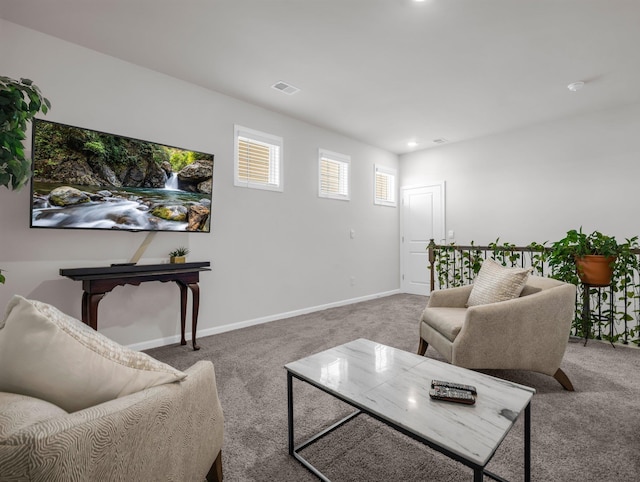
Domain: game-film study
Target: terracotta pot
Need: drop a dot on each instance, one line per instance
(595, 269)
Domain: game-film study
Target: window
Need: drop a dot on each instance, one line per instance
(385, 186)
(334, 175)
(258, 159)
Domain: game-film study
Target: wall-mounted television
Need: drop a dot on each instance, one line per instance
(85, 179)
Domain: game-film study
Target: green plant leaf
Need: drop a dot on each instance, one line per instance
(15, 112)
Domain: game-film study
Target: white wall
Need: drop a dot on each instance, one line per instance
(536, 183)
(273, 253)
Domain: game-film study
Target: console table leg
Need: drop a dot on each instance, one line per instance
(90, 308)
(85, 308)
(183, 311)
(195, 291)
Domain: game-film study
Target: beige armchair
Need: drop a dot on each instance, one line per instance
(526, 333)
(169, 432)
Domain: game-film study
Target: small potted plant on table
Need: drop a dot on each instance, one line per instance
(178, 255)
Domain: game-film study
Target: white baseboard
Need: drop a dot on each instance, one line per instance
(145, 345)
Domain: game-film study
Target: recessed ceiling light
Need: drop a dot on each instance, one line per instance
(412, 143)
(575, 86)
(285, 87)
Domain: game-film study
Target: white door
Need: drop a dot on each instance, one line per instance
(422, 219)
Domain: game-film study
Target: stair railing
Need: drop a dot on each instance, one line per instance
(613, 312)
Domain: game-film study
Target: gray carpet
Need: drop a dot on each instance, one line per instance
(592, 434)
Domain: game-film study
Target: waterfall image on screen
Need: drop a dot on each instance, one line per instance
(93, 180)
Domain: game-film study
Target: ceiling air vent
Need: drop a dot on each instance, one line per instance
(440, 140)
(284, 87)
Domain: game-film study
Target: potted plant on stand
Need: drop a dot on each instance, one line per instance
(593, 259)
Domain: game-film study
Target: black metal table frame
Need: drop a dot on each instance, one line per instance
(478, 470)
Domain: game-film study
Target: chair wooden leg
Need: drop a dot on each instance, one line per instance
(423, 347)
(563, 379)
(215, 472)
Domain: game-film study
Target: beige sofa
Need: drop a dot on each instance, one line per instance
(526, 333)
(168, 432)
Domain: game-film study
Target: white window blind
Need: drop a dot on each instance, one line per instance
(258, 159)
(385, 186)
(334, 175)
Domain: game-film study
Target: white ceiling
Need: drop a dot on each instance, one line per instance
(381, 71)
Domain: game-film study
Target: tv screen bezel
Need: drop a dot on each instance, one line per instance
(36, 120)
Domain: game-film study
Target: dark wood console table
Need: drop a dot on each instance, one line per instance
(97, 282)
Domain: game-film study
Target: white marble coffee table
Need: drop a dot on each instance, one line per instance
(392, 386)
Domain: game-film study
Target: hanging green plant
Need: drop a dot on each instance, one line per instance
(20, 101)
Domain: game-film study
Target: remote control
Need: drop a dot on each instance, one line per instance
(457, 386)
(452, 395)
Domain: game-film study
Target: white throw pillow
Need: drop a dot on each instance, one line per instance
(52, 356)
(497, 283)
